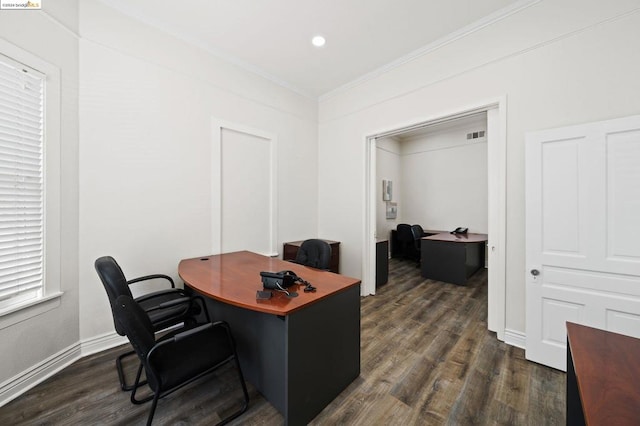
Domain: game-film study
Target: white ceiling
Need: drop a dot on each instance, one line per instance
(273, 37)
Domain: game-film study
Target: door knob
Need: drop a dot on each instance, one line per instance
(535, 272)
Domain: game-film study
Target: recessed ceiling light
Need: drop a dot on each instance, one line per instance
(318, 41)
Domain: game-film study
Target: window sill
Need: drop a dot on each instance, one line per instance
(22, 312)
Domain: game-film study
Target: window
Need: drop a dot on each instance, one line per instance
(21, 183)
(29, 182)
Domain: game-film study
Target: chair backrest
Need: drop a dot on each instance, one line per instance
(315, 253)
(404, 233)
(114, 283)
(137, 326)
(417, 233)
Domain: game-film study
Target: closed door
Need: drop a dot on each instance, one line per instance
(582, 233)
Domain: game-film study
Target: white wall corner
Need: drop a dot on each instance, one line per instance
(515, 338)
(22, 382)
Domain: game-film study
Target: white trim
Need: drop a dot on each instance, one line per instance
(499, 209)
(232, 59)
(33, 376)
(515, 338)
(497, 243)
(463, 32)
(368, 286)
(51, 175)
(22, 382)
(217, 125)
(18, 313)
(101, 343)
(435, 45)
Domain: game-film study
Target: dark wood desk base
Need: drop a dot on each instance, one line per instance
(302, 361)
(452, 261)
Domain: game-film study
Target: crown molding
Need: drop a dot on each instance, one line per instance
(450, 38)
(234, 60)
(225, 56)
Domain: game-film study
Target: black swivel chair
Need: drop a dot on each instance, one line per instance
(404, 237)
(417, 232)
(179, 357)
(166, 308)
(315, 253)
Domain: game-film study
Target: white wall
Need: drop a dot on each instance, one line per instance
(147, 101)
(387, 168)
(444, 177)
(558, 63)
(50, 35)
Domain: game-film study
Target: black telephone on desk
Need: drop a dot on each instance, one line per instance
(278, 280)
(460, 230)
(282, 280)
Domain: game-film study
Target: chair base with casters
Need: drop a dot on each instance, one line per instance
(165, 308)
(205, 347)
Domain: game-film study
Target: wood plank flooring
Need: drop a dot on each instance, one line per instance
(427, 359)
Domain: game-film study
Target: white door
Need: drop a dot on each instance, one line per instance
(582, 233)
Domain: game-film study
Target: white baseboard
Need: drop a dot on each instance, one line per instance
(101, 343)
(20, 383)
(515, 338)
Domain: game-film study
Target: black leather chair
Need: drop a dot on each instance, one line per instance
(404, 237)
(179, 357)
(166, 308)
(417, 233)
(315, 253)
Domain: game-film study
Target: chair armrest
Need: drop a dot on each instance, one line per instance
(192, 331)
(170, 303)
(151, 296)
(153, 277)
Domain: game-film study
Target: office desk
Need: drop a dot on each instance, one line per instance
(301, 352)
(603, 377)
(452, 258)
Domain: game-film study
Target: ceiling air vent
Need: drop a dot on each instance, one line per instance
(475, 135)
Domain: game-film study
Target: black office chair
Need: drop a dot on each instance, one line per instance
(179, 357)
(166, 308)
(315, 253)
(404, 236)
(417, 232)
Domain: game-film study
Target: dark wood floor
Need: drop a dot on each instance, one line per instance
(427, 359)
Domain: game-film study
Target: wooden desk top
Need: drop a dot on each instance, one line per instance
(458, 238)
(234, 278)
(607, 367)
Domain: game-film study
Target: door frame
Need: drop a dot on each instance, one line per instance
(496, 110)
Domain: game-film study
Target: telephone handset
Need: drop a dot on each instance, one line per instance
(460, 230)
(282, 280)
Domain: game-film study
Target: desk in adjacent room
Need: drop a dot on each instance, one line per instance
(603, 377)
(452, 258)
(300, 352)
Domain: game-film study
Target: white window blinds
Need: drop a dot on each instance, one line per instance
(21, 183)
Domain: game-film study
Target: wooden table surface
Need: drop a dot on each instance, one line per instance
(234, 278)
(607, 367)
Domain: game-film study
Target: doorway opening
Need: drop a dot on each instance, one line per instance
(495, 111)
